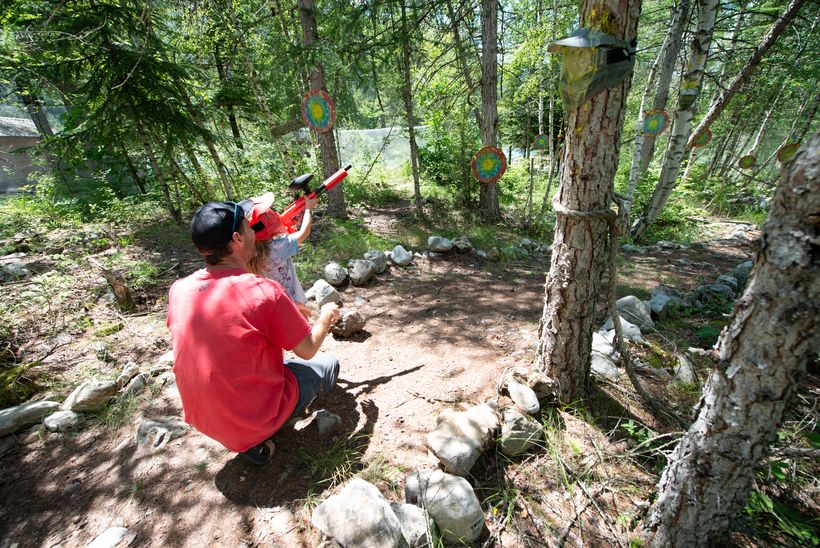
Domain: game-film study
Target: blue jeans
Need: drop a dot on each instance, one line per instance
(315, 378)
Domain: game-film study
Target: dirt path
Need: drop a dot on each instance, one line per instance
(437, 335)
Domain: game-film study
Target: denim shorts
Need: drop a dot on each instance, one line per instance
(315, 378)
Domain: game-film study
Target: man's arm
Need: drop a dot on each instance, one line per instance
(307, 220)
(308, 346)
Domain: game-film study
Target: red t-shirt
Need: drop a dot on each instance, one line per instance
(229, 329)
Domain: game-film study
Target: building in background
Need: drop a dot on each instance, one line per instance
(16, 134)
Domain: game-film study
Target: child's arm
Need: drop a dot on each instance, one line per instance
(307, 220)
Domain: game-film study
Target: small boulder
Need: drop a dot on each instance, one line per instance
(130, 371)
(90, 396)
(716, 292)
(678, 298)
(335, 274)
(459, 437)
(350, 322)
(728, 279)
(450, 501)
(401, 256)
(742, 272)
(629, 248)
(439, 244)
(64, 421)
(631, 332)
(164, 363)
(378, 258)
(481, 254)
(324, 293)
(323, 420)
(136, 385)
(359, 516)
(603, 366)
(18, 417)
(660, 306)
(601, 345)
(418, 528)
(361, 271)
(494, 254)
(523, 396)
(462, 244)
(156, 433)
(16, 269)
(685, 370)
(519, 432)
(635, 311)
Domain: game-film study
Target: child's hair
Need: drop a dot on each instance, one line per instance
(259, 262)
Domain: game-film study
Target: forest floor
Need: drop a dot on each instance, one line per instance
(437, 336)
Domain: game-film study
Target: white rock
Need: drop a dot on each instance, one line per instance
(15, 418)
(459, 438)
(462, 244)
(519, 432)
(359, 516)
(659, 305)
(324, 293)
(439, 244)
(136, 385)
(335, 274)
(451, 502)
(635, 311)
(378, 258)
(114, 536)
(418, 529)
(631, 332)
(64, 421)
(685, 370)
(401, 256)
(601, 345)
(350, 322)
(523, 397)
(130, 371)
(90, 396)
(158, 432)
(604, 367)
(361, 271)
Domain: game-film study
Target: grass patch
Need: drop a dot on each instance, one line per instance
(336, 463)
(118, 413)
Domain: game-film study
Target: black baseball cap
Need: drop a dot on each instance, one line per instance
(215, 222)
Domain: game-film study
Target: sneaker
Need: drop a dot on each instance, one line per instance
(260, 454)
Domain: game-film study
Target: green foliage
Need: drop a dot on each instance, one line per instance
(336, 463)
(637, 432)
(774, 518)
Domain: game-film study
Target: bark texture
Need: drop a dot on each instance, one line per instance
(764, 351)
(327, 141)
(580, 250)
(488, 193)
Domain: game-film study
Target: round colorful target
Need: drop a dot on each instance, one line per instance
(540, 142)
(703, 139)
(318, 110)
(747, 162)
(655, 122)
(489, 164)
(787, 152)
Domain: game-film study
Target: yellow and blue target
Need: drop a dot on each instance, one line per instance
(655, 122)
(540, 142)
(489, 164)
(787, 152)
(703, 139)
(318, 110)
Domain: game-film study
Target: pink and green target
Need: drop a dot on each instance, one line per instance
(703, 139)
(489, 164)
(540, 142)
(787, 152)
(318, 110)
(747, 162)
(655, 123)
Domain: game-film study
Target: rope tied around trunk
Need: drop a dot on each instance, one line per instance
(618, 222)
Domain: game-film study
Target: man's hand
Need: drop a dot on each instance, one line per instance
(332, 311)
(310, 203)
(306, 312)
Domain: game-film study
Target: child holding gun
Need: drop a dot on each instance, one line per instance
(275, 249)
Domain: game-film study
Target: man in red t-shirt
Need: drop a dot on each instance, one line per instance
(229, 329)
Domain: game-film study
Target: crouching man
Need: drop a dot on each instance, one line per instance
(229, 329)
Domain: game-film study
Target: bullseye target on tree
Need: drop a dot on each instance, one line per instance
(703, 139)
(747, 162)
(540, 142)
(655, 122)
(787, 152)
(318, 110)
(489, 164)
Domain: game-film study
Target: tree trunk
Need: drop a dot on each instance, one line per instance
(407, 95)
(581, 250)
(132, 170)
(327, 143)
(488, 192)
(220, 70)
(764, 351)
(682, 122)
(34, 107)
(768, 41)
(662, 68)
(158, 173)
(792, 137)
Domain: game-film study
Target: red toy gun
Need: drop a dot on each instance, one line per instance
(299, 187)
